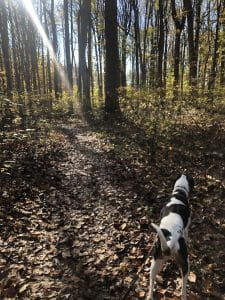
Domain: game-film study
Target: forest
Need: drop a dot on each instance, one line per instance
(102, 104)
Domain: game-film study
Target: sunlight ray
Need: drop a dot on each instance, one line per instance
(34, 18)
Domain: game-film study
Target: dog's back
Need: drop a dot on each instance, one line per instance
(172, 233)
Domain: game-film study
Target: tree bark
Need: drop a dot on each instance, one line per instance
(192, 43)
(112, 79)
(160, 45)
(84, 20)
(222, 65)
(212, 75)
(179, 22)
(67, 43)
(5, 48)
(55, 48)
(49, 75)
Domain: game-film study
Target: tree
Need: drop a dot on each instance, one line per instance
(84, 19)
(15, 55)
(222, 65)
(161, 41)
(112, 78)
(67, 43)
(193, 37)
(99, 36)
(5, 47)
(212, 75)
(125, 23)
(55, 48)
(179, 22)
(49, 75)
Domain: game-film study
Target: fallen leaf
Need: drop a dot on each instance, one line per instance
(192, 277)
(128, 279)
(23, 288)
(141, 294)
(123, 226)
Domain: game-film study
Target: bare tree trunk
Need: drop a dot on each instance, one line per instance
(222, 65)
(160, 45)
(48, 56)
(112, 79)
(55, 47)
(71, 36)
(179, 22)
(5, 48)
(153, 55)
(166, 49)
(83, 27)
(126, 24)
(212, 75)
(33, 56)
(67, 42)
(192, 41)
(15, 56)
(91, 80)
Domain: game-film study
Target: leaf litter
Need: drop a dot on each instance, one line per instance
(76, 209)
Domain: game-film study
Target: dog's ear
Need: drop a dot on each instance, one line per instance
(191, 182)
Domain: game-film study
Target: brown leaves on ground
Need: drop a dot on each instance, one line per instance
(76, 209)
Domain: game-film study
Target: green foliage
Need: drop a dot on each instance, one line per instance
(162, 117)
(61, 106)
(27, 109)
(149, 110)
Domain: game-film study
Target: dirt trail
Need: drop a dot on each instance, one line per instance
(75, 219)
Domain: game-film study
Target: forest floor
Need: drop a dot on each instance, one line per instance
(77, 200)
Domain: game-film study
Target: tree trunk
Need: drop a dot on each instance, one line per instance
(15, 56)
(125, 16)
(188, 6)
(166, 49)
(137, 41)
(112, 58)
(49, 75)
(179, 26)
(55, 48)
(222, 65)
(33, 56)
(67, 43)
(5, 48)
(212, 75)
(83, 28)
(71, 36)
(160, 45)
(90, 71)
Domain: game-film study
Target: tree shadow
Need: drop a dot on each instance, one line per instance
(104, 189)
(121, 169)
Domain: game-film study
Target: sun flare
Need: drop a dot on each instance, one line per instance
(34, 18)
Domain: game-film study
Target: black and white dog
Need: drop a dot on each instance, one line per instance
(173, 233)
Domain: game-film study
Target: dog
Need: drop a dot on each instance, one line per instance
(173, 233)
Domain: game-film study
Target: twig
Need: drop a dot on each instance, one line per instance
(146, 257)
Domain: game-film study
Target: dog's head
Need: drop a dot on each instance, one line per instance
(184, 182)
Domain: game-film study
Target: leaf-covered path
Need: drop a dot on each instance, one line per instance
(76, 208)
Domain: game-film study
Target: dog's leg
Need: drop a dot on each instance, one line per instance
(186, 234)
(156, 266)
(186, 230)
(184, 272)
(182, 260)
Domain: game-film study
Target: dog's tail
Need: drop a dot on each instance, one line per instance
(165, 248)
